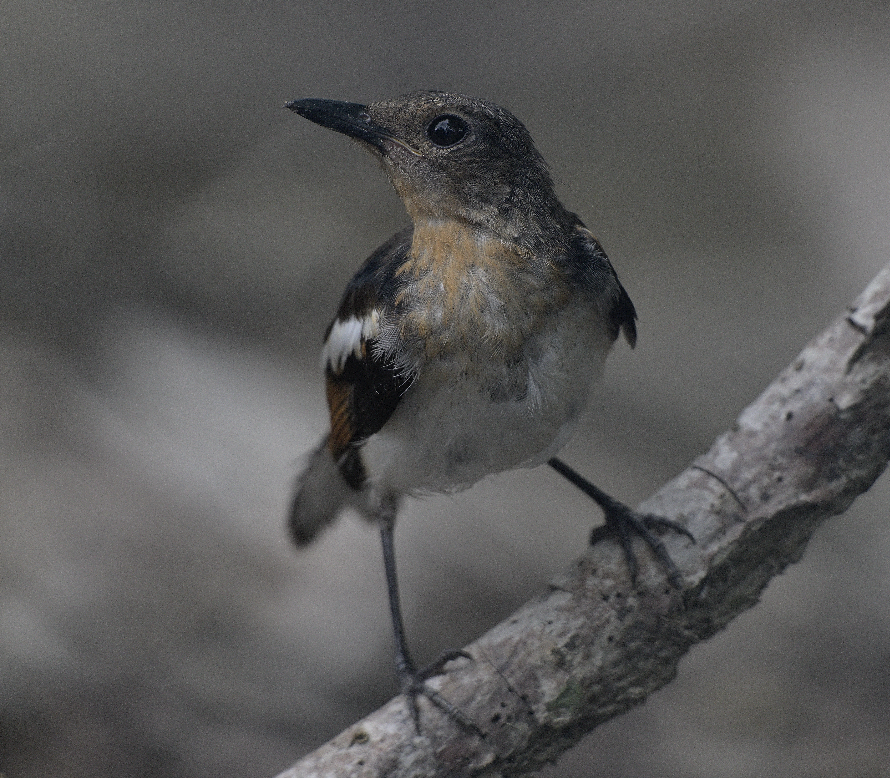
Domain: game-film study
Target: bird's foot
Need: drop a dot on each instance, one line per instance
(414, 685)
(622, 522)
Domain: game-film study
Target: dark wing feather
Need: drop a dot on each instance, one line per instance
(364, 385)
(590, 268)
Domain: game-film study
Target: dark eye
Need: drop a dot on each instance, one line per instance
(447, 130)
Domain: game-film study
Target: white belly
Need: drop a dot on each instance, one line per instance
(460, 422)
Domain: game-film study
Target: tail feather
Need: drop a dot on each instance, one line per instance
(320, 494)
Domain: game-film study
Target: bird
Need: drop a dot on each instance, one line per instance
(467, 343)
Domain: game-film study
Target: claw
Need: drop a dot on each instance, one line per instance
(414, 685)
(624, 522)
(438, 667)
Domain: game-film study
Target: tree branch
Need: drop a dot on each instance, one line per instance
(593, 647)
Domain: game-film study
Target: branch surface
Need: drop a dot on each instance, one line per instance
(593, 647)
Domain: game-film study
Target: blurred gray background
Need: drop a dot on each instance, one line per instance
(173, 245)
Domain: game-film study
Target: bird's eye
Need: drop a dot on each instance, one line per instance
(447, 130)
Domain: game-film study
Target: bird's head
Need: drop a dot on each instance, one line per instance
(451, 157)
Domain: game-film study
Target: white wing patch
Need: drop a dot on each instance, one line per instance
(346, 337)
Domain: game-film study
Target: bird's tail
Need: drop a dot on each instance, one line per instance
(320, 494)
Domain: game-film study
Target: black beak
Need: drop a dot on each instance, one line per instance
(349, 118)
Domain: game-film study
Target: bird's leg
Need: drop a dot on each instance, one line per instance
(413, 680)
(623, 522)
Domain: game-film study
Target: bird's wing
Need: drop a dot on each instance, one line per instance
(592, 270)
(364, 383)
